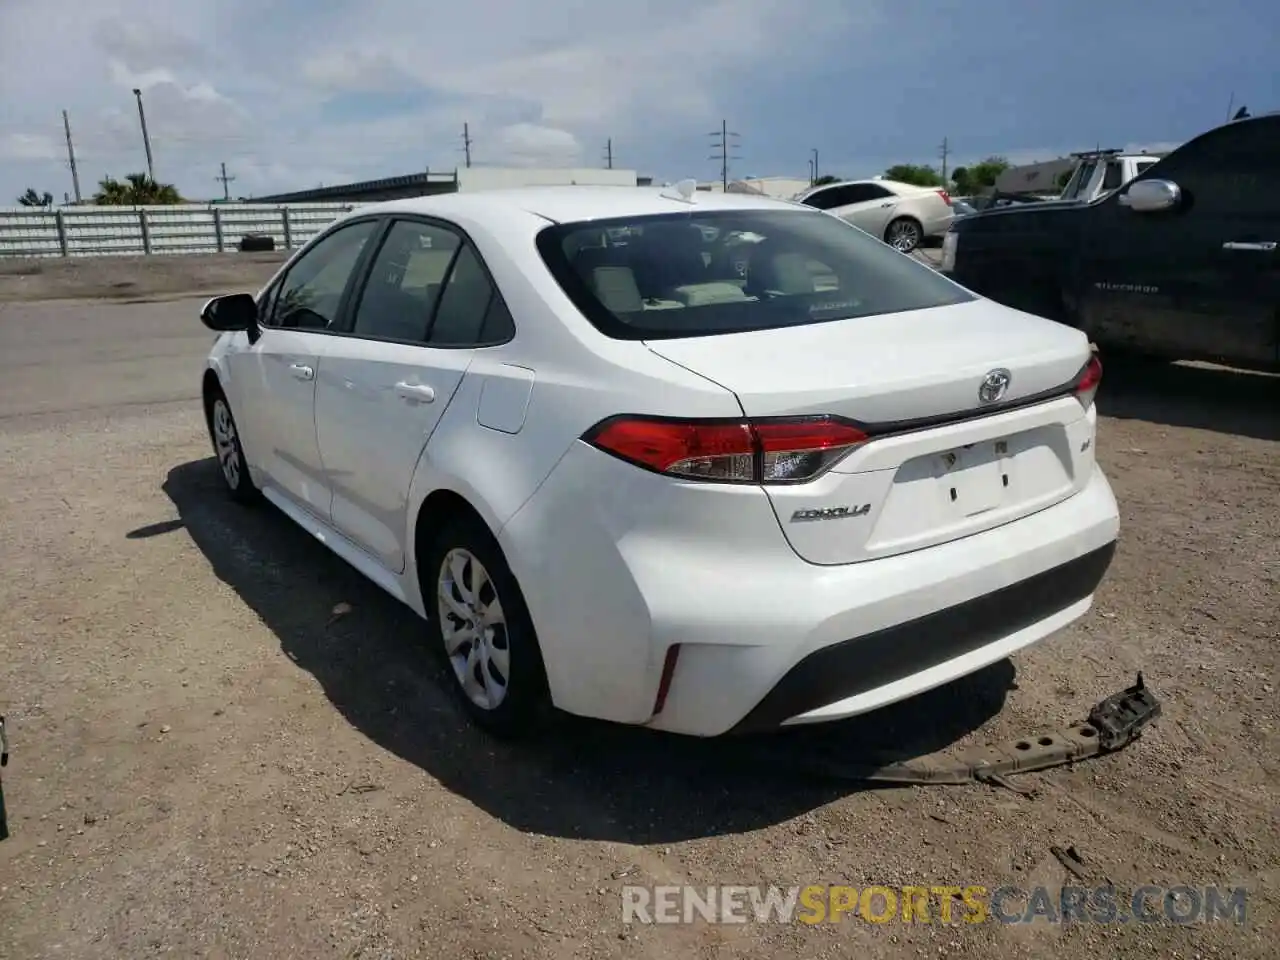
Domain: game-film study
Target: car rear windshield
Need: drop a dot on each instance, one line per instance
(697, 273)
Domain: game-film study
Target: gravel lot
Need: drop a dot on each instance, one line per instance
(207, 763)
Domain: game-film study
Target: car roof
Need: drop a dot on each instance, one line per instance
(562, 204)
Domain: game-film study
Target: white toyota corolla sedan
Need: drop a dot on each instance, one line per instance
(702, 462)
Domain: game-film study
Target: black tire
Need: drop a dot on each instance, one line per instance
(257, 243)
(232, 465)
(904, 225)
(524, 704)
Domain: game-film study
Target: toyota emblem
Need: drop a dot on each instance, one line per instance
(994, 386)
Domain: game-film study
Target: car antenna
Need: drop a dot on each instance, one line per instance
(683, 191)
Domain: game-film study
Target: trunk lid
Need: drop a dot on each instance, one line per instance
(938, 467)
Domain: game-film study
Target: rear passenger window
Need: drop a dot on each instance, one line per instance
(498, 327)
(471, 311)
(405, 281)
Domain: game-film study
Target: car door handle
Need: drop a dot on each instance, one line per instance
(886, 205)
(302, 371)
(415, 392)
(1264, 246)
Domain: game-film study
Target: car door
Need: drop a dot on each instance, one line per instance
(1201, 279)
(275, 376)
(873, 208)
(861, 205)
(425, 305)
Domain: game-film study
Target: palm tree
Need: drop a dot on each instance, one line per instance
(33, 199)
(136, 190)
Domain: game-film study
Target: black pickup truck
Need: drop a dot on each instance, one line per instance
(1181, 263)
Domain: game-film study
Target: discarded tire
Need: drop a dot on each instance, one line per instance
(255, 242)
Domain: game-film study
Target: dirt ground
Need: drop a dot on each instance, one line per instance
(126, 278)
(206, 762)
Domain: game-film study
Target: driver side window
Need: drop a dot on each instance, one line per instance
(311, 293)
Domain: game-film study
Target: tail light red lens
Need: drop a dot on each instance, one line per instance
(1088, 380)
(745, 451)
(946, 197)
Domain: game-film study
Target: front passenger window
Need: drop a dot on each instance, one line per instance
(311, 294)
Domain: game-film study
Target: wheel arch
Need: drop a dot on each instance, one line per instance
(210, 386)
(433, 500)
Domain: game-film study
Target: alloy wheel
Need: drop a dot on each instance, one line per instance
(224, 441)
(474, 629)
(904, 236)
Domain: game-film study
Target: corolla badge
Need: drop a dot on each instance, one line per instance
(994, 386)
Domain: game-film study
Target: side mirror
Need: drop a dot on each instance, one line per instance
(236, 311)
(1147, 196)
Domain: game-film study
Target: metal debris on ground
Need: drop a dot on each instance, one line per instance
(1112, 724)
(4, 762)
(1071, 861)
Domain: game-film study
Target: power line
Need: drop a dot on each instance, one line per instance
(71, 156)
(226, 180)
(723, 143)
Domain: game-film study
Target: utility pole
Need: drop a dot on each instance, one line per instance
(946, 152)
(71, 156)
(723, 143)
(226, 180)
(608, 154)
(146, 140)
(466, 142)
(814, 161)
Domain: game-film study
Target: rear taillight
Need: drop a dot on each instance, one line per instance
(1087, 382)
(737, 451)
(946, 197)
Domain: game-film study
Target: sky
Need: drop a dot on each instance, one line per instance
(292, 94)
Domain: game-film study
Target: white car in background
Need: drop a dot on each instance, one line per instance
(628, 465)
(900, 214)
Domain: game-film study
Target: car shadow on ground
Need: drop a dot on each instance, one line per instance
(583, 779)
(1203, 397)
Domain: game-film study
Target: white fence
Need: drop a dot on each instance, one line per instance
(108, 231)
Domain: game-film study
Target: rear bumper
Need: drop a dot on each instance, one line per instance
(619, 565)
(832, 681)
(937, 227)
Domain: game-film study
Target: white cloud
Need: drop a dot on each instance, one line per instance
(531, 145)
(27, 146)
(354, 71)
(236, 81)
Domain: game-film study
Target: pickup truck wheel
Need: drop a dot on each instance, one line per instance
(904, 234)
